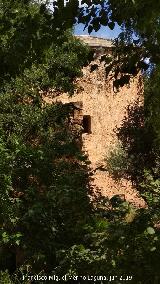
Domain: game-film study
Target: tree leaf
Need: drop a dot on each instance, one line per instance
(90, 29)
(111, 25)
(150, 231)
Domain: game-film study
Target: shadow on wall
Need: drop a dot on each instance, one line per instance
(133, 152)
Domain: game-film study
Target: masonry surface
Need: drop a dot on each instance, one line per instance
(103, 110)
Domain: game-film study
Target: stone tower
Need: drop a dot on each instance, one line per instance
(103, 110)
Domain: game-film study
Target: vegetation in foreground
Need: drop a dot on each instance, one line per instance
(46, 215)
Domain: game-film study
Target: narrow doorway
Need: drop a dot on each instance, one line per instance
(87, 124)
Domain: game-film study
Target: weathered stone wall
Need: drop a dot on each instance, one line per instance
(107, 110)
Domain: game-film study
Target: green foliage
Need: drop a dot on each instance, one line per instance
(32, 48)
(45, 210)
(139, 38)
(6, 278)
(46, 189)
(138, 26)
(150, 189)
(134, 151)
(117, 162)
(118, 247)
(152, 105)
(43, 174)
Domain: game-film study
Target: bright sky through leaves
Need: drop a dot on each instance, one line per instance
(104, 32)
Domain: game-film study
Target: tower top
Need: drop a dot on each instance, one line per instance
(95, 42)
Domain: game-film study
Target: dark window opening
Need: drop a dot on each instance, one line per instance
(86, 124)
